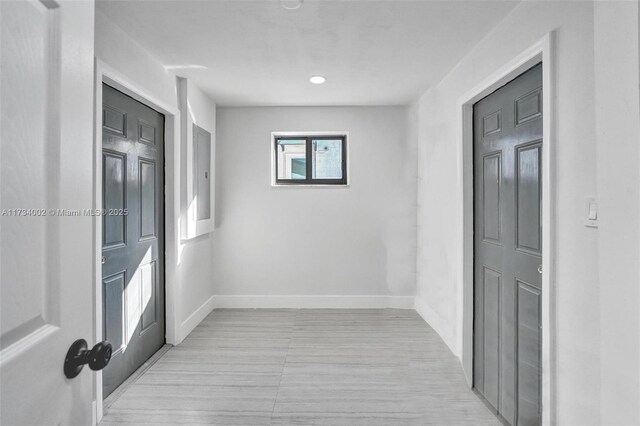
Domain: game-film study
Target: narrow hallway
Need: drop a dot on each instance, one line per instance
(260, 367)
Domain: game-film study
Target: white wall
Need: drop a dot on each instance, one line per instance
(618, 150)
(355, 241)
(577, 328)
(193, 269)
(597, 327)
(195, 254)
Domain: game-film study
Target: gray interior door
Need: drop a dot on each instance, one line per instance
(508, 248)
(132, 233)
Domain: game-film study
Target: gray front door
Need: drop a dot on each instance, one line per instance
(508, 248)
(132, 233)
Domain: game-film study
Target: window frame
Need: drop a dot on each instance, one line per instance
(309, 137)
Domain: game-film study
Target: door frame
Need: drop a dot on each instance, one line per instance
(542, 51)
(106, 74)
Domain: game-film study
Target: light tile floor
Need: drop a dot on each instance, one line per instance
(304, 367)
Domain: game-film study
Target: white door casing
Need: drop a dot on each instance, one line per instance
(174, 326)
(541, 51)
(46, 157)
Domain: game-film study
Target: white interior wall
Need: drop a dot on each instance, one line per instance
(439, 272)
(194, 256)
(193, 269)
(617, 99)
(314, 243)
(597, 325)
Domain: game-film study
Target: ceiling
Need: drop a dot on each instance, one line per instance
(250, 52)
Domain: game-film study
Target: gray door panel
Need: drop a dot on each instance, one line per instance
(508, 248)
(133, 242)
(528, 351)
(492, 291)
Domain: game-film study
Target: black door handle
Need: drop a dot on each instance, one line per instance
(78, 355)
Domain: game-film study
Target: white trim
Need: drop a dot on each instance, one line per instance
(196, 317)
(272, 153)
(542, 51)
(94, 413)
(106, 74)
(314, 302)
(291, 302)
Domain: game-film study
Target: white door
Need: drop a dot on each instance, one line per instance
(46, 159)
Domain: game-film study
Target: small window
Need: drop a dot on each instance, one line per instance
(311, 160)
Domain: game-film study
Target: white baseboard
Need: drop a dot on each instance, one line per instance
(321, 302)
(438, 323)
(314, 302)
(196, 318)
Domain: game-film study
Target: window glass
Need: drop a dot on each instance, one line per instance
(292, 159)
(327, 159)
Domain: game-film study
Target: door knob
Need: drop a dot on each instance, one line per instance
(539, 269)
(78, 355)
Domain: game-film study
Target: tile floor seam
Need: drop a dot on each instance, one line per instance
(284, 364)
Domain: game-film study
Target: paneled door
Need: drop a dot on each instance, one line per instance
(508, 248)
(132, 233)
(46, 239)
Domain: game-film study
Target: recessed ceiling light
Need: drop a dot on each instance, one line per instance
(317, 79)
(291, 4)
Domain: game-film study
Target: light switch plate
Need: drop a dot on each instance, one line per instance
(591, 212)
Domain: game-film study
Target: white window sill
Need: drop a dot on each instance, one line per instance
(300, 186)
